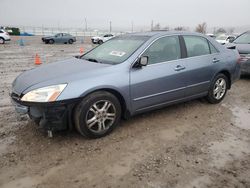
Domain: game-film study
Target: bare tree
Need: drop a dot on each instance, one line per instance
(231, 30)
(180, 28)
(220, 30)
(201, 28)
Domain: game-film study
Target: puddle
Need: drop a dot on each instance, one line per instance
(229, 149)
(242, 117)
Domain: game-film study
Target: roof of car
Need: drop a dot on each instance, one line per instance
(162, 33)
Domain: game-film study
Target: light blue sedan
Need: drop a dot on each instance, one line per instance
(127, 75)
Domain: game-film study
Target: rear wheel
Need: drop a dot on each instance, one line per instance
(2, 41)
(97, 114)
(70, 41)
(218, 89)
(100, 42)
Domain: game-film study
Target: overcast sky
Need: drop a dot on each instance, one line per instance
(98, 13)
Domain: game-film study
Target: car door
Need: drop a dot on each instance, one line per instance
(64, 38)
(200, 64)
(163, 79)
(58, 37)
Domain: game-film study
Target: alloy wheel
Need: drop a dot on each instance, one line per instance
(100, 116)
(219, 88)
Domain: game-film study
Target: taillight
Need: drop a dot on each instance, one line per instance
(7, 33)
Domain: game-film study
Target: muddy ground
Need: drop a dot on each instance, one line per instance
(194, 144)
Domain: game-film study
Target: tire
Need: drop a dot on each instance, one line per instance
(218, 89)
(100, 42)
(51, 41)
(70, 41)
(2, 41)
(102, 110)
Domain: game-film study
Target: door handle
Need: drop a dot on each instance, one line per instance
(179, 68)
(215, 60)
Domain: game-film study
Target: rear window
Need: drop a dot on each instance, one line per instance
(196, 46)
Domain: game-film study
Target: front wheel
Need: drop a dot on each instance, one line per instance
(218, 89)
(100, 42)
(2, 41)
(97, 114)
(51, 41)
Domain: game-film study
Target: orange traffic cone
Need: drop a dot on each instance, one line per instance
(37, 60)
(81, 50)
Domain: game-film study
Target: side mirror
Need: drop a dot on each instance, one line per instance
(143, 61)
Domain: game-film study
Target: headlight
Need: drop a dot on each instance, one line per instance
(44, 94)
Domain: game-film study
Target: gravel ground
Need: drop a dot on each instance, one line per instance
(193, 144)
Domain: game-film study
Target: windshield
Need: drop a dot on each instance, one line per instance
(243, 39)
(116, 50)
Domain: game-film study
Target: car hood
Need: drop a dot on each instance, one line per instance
(96, 37)
(47, 37)
(243, 48)
(56, 73)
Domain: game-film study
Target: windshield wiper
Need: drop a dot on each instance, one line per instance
(93, 60)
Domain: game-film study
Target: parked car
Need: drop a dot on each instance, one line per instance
(242, 43)
(211, 35)
(4, 36)
(224, 39)
(64, 38)
(101, 39)
(127, 75)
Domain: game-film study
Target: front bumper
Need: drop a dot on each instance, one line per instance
(53, 116)
(94, 41)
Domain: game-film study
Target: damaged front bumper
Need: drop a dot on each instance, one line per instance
(51, 116)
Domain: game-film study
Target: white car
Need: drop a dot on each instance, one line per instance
(224, 39)
(101, 39)
(4, 36)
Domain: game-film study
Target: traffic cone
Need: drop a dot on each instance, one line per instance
(37, 60)
(81, 50)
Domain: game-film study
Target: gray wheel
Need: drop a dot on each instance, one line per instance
(100, 42)
(218, 89)
(70, 41)
(100, 116)
(97, 114)
(51, 41)
(2, 41)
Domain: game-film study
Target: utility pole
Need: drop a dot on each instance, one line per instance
(152, 25)
(86, 25)
(110, 26)
(132, 29)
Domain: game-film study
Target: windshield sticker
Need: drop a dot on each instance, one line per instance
(117, 53)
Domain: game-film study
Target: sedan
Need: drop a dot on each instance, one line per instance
(125, 76)
(225, 39)
(59, 38)
(242, 44)
(101, 39)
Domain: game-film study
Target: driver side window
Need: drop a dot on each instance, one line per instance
(164, 49)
